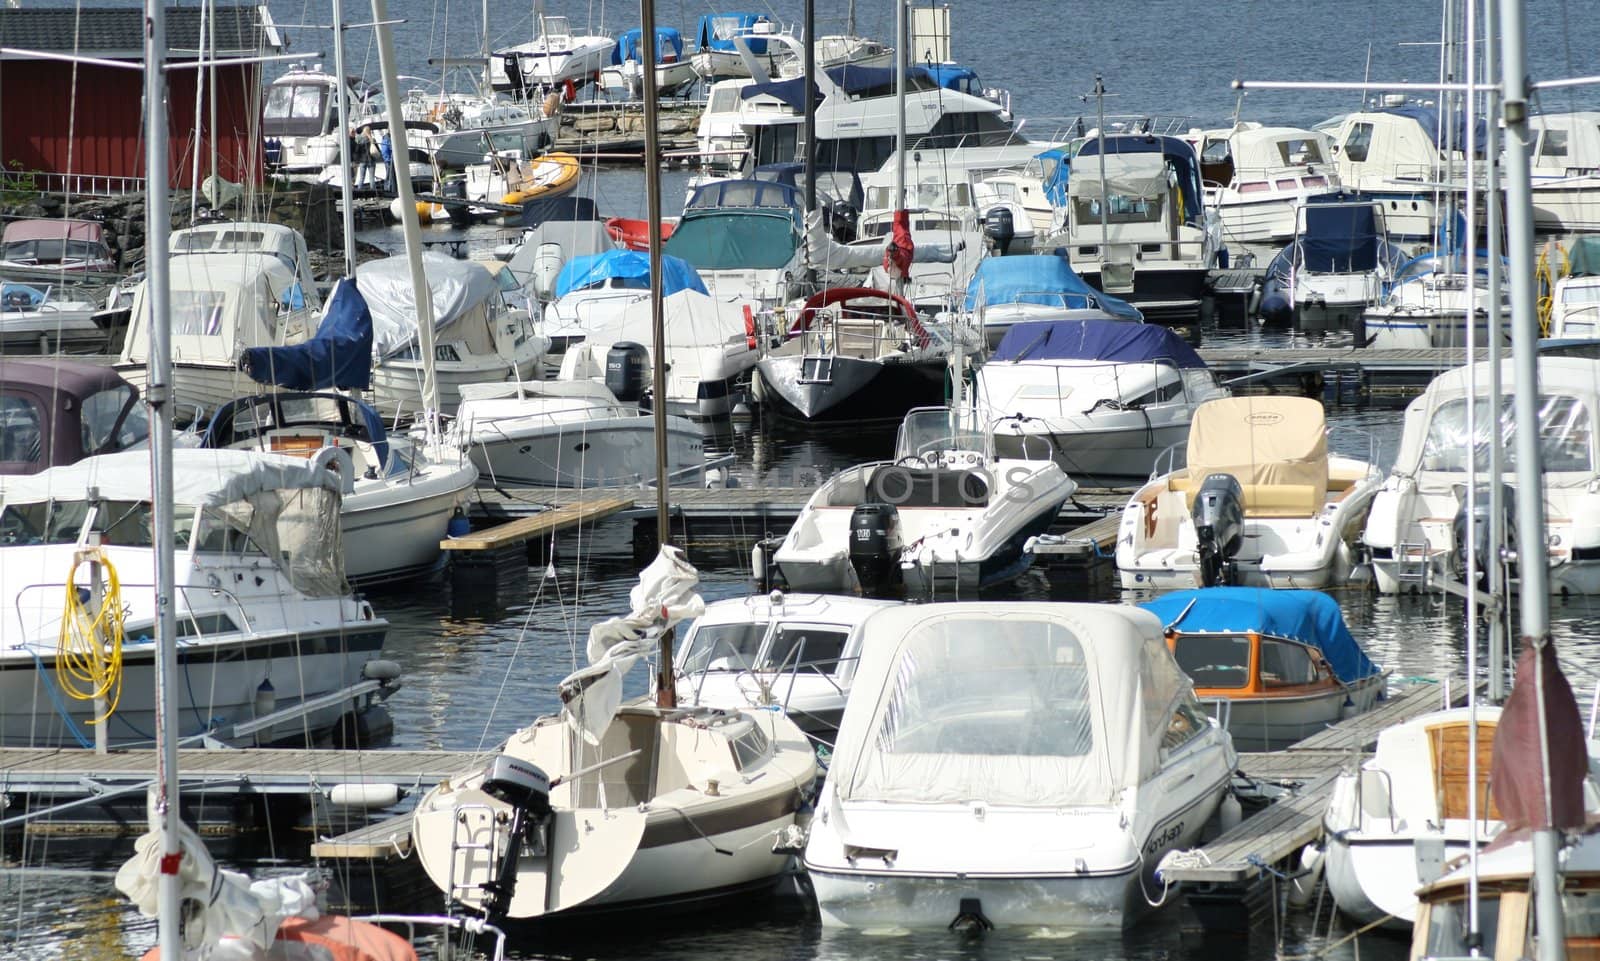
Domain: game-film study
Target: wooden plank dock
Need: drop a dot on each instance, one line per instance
(558, 518)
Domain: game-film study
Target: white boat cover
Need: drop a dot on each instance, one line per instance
(454, 287)
(1261, 440)
(1129, 174)
(664, 596)
(1034, 705)
(218, 305)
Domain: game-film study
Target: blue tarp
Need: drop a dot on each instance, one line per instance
(1310, 617)
(630, 46)
(629, 265)
(19, 296)
(1113, 341)
(1054, 164)
(953, 76)
(1428, 117)
(338, 355)
(728, 25)
(1039, 279)
(1341, 234)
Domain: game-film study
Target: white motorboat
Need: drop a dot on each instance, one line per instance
(476, 337)
(300, 121)
(945, 518)
(1417, 527)
(566, 434)
(1566, 187)
(262, 606)
(1336, 268)
(1394, 155)
(253, 237)
(555, 57)
(796, 652)
(719, 37)
(744, 237)
(1037, 287)
(44, 319)
(1575, 299)
(1428, 303)
(54, 246)
(1020, 765)
(1255, 177)
(645, 805)
(472, 126)
(1107, 396)
(592, 289)
(625, 70)
(1261, 503)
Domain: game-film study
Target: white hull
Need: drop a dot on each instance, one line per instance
(466, 145)
(397, 384)
(399, 535)
(1269, 221)
(1121, 446)
(1377, 879)
(1573, 205)
(618, 451)
(196, 387)
(1412, 330)
(728, 64)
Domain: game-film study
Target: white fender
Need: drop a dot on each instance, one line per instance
(338, 459)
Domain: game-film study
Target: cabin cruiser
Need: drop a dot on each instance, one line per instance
(1566, 187)
(1417, 530)
(1107, 396)
(1039, 287)
(556, 57)
(1274, 667)
(1428, 301)
(1261, 503)
(58, 412)
(625, 72)
(252, 237)
(266, 617)
(744, 237)
(300, 121)
(719, 38)
(944, 519)
(1336, 268)
(1014, 765)
(1256, 177)
(1575, 299)
(619, 804)
(591, 291)
(472, 126)
(55, 245)
(796, 652)
(45, 319)
(566, 434)
(854, 354)
(1398, 154)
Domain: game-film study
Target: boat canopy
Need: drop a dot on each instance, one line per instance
(1276, 441)
(1035, 705)
(247, 418)
(27, 230)
(630, 46)
(219, 305)
(717, 30)
(1427, 117)
(456, 288)
(1111, 341)
(338, 355)
(953, 76)
(1341, 234)
(745, 193)
(1133, 175)
(1179, 154)
(1583, 258)
(1046, 279)
(750, 239)
(1308, 617)
(569, 208)
(626, 265)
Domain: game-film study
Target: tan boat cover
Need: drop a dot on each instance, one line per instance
(1268, 441)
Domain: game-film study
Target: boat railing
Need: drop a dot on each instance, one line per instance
(1167, 461)
(186, 615)
(1222, 706)
(1359, 436)
(1026, 438)
(1388, 787)
(766, 678)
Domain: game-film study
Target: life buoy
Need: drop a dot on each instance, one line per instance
(338, 460)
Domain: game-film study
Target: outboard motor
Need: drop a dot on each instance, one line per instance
(1218, 515)
(527, 789)
(875, 547)
(548, 259)
(1000, 227)
(1486, 553)
(843, 220)
(460, 214)
(625, 369)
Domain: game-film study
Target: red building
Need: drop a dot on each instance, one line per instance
(81, 125)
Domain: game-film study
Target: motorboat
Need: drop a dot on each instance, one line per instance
(253, 237)
(744, 237)
(1107, 396)
(566, 434)
(625, 71)
(795, 652)
(945, 518)
(1014, 765)
(719, 37)
(472, 126)
(300, 123)
(1428, 304)
(1335, 269)
(1566, 188)
(847, 49)
(1575, 298)
(554, 231)
(633, 233)
(56, 246)
(1274, 667)
(554, 58)
(854, 354)
(1261, 503)
(266, 617)
(477, 338)
(591, 291)
(58, 412)
(1397, 154)
(1416, 533)
(507, 179)
(1256, 177)
(1035, 287)
(45, 319)
(614, 805)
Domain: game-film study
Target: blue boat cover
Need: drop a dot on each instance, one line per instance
(717, 30)
(629, 265)
(1584, 257)
(19, 296)
(952, 76)
(857, 81)
(338, 355)
(1114, 341)
(1039, 279)
(1341, 234)
(630, 45)
(1310, 617)
(1054, 163)
(569, 208)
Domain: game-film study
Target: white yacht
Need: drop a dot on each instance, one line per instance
(1565, 159)
(591, 290)
(1256, 177)
(300, 122)
(265, 616)
(1335, 269)
(473, 126)
(1261, 502)
(727, 43)
(1011, 765)
(45, 319)
(555, 57)
(253, 237)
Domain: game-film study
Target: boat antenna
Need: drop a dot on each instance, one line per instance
(666, 684)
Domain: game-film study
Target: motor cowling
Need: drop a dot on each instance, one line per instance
(1482, 513)
(626, 363)
(843, 220)
(875, 547)
(1218, 515)
(526, 788)
(1000, 227)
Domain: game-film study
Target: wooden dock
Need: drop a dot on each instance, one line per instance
(574, 513)
(1337, 375)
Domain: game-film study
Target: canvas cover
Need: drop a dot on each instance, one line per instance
(735, 239)
(1111, 341)
(1340, 236)
(567, 208)
(1309, 617)
(454, 286)
(1129, 174)
(21, 230)
(630, 265)
(1583, 257)
(697, 328)
(1035, 705)
(219, 305)
(630, 46)
(1261, 440)
(338, 355)
(1045, 279)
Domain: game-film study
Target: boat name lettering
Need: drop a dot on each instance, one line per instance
(1169, 836)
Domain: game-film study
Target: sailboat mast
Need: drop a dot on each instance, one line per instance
(810, 73)
(345, 160)
(1497, 509)
(158, 395)
(666, 685)
(1534, 597)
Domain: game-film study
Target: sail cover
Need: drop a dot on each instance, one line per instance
(1309, 617)
(339, 355)
(1541, 710)
(1045, 279)
(1112, 341)
(454, 287)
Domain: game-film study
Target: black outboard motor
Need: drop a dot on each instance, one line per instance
(875, 547)
(1000, 227)
(1486, 554)
(527, 789)
(460, 214)
(843, 220)
(625, 369)
(1218, 515)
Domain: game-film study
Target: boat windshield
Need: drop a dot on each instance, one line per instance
(742, 240)
(1214, 660)
(723, 647)
(119, 523)
(1566, 441)
(935, 429)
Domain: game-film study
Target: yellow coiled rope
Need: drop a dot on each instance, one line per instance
(89, 653)
(1546, 276)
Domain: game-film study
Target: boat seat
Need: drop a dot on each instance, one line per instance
(905, 487)
(1263, 500)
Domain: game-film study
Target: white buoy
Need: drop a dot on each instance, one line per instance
(1229, 813)
(365, 796)
(1306, 879)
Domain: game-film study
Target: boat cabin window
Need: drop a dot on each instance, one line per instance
(1285, 665)
(119, 523)
(197, 313)
(854, 153)
(53, 251)
(220, 535)
(750, 747)
(776, 143)
(21, 430)
(1581, 294)
(1565, 430)
(103, 425)
(1214, 660)
(1216, 152)
(1447, 926)
(1188, 721)
(724, 647)
(1299, 152)
(1358, 142)
(1553, 144)
(295, 109)
(806, 647)
(1120, 209)
(724, 100)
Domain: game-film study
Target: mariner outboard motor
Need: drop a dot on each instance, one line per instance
(527, 789)
(1000, 227)
(1486, 553)
(875, 547)
(1218, 515)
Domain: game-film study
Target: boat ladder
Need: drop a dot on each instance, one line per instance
(816, 369)
(1415, 562)
(467, 837)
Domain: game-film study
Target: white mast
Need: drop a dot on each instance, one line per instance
(345, 160)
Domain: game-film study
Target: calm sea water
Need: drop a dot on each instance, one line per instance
(469, 682)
